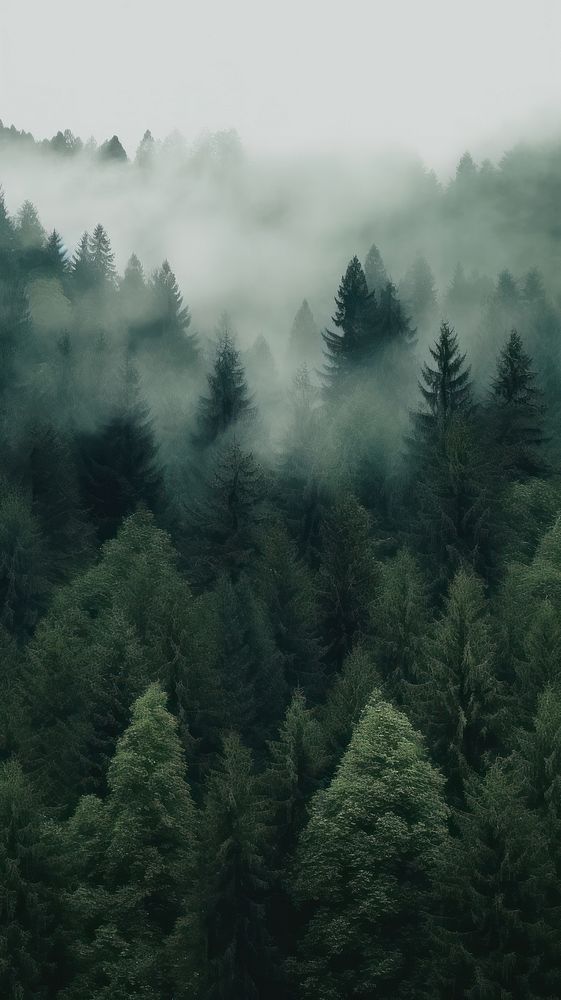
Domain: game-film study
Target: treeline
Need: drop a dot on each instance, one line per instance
(280, 688)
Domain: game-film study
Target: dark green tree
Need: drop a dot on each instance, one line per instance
(28, 910)
(138, 861)
(119, 467)
(517, 412)
(460, 705)
(347, 579)
(170, 319)
(365, 866)
(499, 927)
(375, 271)
(227, 403)
(399, 623)
(355, 318)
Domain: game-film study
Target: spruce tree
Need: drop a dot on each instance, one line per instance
(102, 259)
(119, 462)
(517, 412)
(304, 341)
(234, 956)
(420, 293)
(82, 271)
(287, 590)
(355, 317)
(170, 319)
(138, 871)
(28, 910)
(55, 257)
(446, 389)
(365, 865)
(393, 326)
(145, 152)
(228, 402)
(459, 707)
(347, 580)
(499, 924)
(350, 691)
(221, 531)
(24, 572)
(375, 271)
(399, 621)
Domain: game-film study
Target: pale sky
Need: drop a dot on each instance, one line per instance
(431, 75)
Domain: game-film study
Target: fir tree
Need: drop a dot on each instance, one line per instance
(517, 411)
(55, 257)
(119, 464)
(347, 580)
(24, 577)
(170, 319)
(145, 152)
(420, 293)
(447, 387)
(228, 401)
(304, 341)
(461, 700)
(499, 932)
(350, 691)
(222, 520)
(102, 259)
(234, 955)
(355, 317)
(28, 910)
(139, 868)
(365, 865)
(399, 622)
(375, 271)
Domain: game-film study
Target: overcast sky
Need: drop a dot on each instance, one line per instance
(432, 75)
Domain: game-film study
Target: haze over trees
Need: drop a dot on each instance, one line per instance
(280, 601)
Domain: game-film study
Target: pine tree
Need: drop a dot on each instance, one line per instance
(82, 270)
(399, 622)
(7, 238)
(234, 956)
(347, 580)
(538, 666)
(145, 152)
(350, 691)
(55, 257)
(447, 388)
(537, 767)
(246, 662)
(304, 341)
(459, 708)
(287, 590)
(24, 578)
(375, 271)
(223, 518)
(16, 346)
(138, 871)
(355, 317)
(498, 930)
(365, 865)
(228, 402)
(111, 151)
(170, 319)
(28, 910)
(119, 464)
(394, 331)
(419, 292)
(298, 485)
(517, 412)
(102, 259)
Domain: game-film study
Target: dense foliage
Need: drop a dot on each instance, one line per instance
(280, 682)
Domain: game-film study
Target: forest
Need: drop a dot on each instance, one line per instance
(280, 612)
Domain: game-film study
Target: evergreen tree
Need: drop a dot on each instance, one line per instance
(419, 292)
(145, 152)
(24, 578)
(102, 259)
(350, 691)
(304, 341)
(287, 590)
(347, 580)
(375, 271)
(447, 388)
(234, 955)
(517, 411)
(82, 269)
(499, 933)
(119, 469)
(222, 520)
(537, 767)
(460, 707)
(55, 257)
(355, 317)
(28, 910)
(170, 319)
(365, 865)
(228, 401)
(394, 331)
(111, 151)
(399, 622)
(138, 871)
